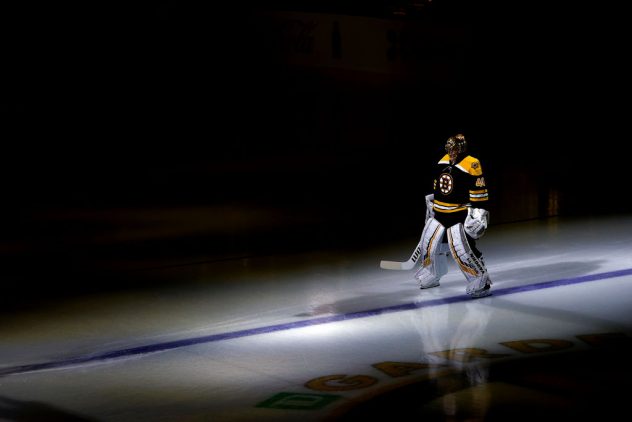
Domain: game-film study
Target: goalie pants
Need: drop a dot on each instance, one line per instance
(449, 220)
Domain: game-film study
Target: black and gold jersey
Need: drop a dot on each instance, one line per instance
(458, 185)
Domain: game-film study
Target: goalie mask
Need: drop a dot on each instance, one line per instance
(455, 146)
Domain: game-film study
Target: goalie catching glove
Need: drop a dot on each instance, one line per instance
(476, 222)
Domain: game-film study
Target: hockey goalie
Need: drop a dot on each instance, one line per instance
(455, 218)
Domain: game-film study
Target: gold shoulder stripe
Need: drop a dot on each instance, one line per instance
(445, 159)
(471, 165)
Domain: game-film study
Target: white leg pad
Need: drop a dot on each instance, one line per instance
(442, 259)
(434, 264)
(473, 268)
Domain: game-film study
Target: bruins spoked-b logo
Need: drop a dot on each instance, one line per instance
(445, 183)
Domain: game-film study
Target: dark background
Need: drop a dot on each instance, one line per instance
(115, 94)
(180, 104)
(111, 89)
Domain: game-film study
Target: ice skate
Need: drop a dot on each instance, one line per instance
(482, 292)
(429, 284)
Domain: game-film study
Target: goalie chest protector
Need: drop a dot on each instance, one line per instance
(459, 184)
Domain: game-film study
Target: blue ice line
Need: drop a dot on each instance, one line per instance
(158, 347)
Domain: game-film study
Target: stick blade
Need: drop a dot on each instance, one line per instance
(394, 265)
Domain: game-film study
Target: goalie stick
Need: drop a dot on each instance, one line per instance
(407, 265)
